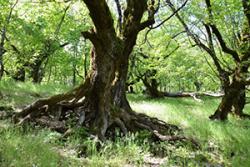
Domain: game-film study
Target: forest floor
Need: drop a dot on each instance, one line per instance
(222, 143)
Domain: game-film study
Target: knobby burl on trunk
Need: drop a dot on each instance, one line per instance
(100, 103)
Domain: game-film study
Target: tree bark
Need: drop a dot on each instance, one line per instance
(119, 88)
(225, 106)
(233, 101)
(240, 102)
(99, 97)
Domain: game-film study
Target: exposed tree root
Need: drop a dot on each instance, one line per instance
(60, 112)
(177, 138)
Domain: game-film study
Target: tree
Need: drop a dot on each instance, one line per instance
(232, 77)
(235, 91)
(3, 36)
(101, 99)
(37, 70)
(39, 33)
(166, 70)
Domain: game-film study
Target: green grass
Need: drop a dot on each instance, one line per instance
(226, 143)
(19, 149)
(19, 94)
(230, 137)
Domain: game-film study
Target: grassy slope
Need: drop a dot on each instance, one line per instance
(222, 143)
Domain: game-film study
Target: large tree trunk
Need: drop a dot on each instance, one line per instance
(100, 103)
(96, 108)
(99, 95)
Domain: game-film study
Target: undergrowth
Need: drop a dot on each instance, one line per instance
(222, 143)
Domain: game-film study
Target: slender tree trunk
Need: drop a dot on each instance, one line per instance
(49, 75)
(2, 51)
(38, 68)
(73, 74)
(1, 65)
(19, 75)
(3, 36)
(35, 72)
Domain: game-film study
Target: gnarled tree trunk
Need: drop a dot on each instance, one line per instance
(226, 104)
(100, 103)
(233, 101)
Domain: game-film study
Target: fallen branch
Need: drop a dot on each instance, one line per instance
(192, 94)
